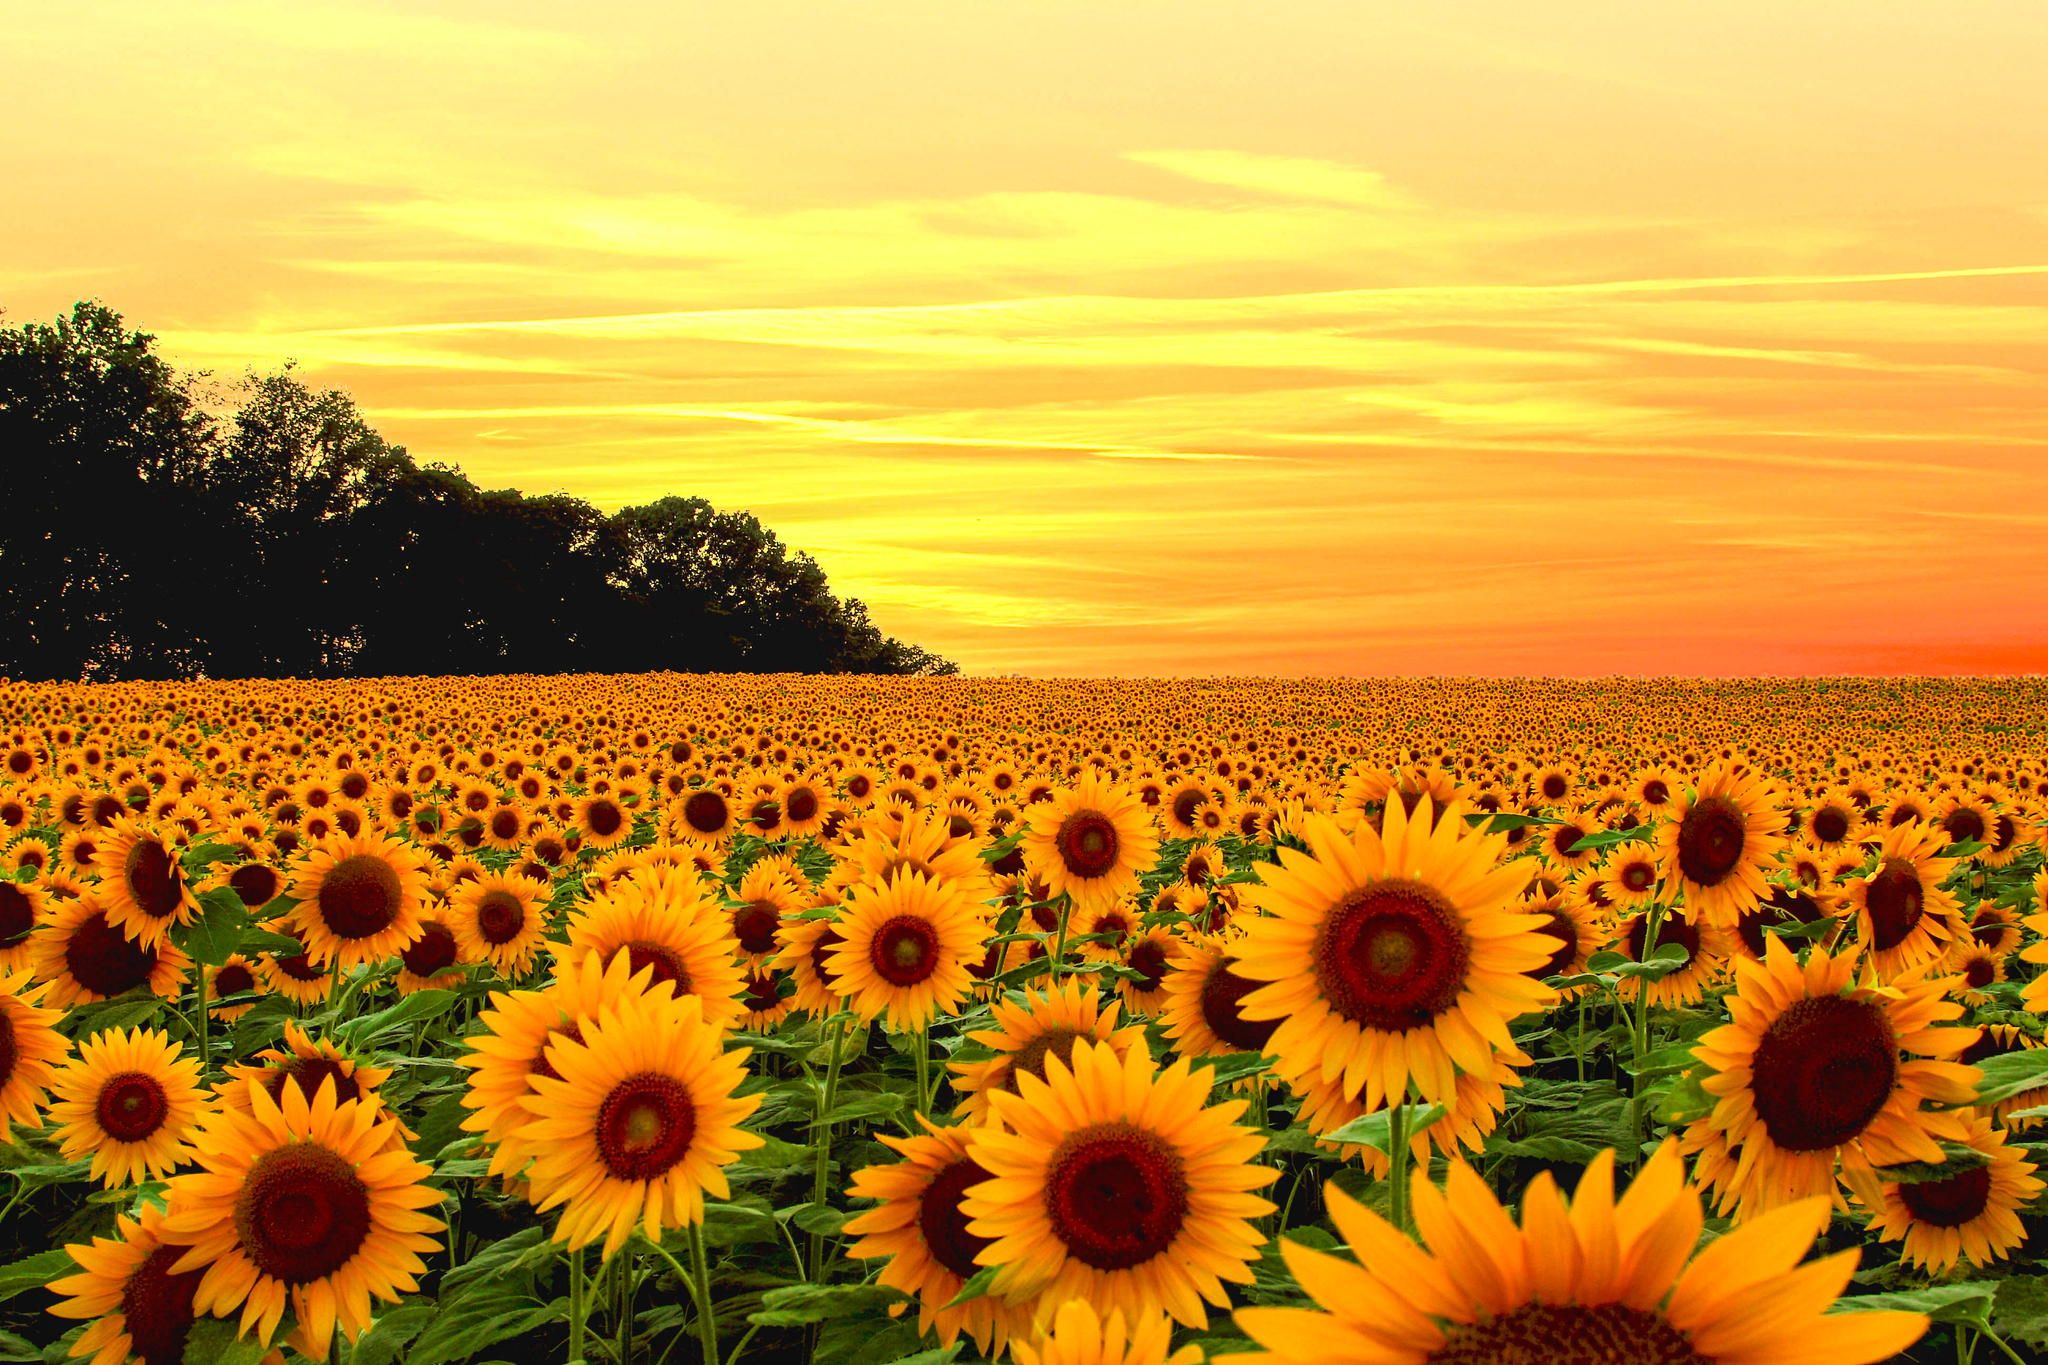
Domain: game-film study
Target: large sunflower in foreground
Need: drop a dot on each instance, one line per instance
(143, 1311)
(313, 1206)
(1589, 1282)
(143, 887)
(1718, 843)
(1974, 1213)
(1091, 840)
(637, 1122)
(130, 1101)
(359, 898)
(29, 1046)
(921, 1228)
(905, 947)
(1078, 1336)
(1393, 958)
(1818, 1074)
(1110, 1181)
(661, 919)
(1042, 1023)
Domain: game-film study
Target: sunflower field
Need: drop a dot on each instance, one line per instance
(663, 1019)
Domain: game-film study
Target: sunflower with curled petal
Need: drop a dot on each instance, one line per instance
(130, 1100)
(498, 919)
(1589, 1282)
(1719, 842)
(1818, 1076)
(1111, 1181)
(1043, 1023)
(637, 1122)
(1903, 916)
(1078, 1336)
(317, 1206)
(511, 1051)
(1974, 1214)
(921, 1228)
(359, 898)
(661, 918)
(86, 958)
(29, 1047)
(143, 886)
(142, 1312)
(905, 947)
(1090, 841)
(1393, 958)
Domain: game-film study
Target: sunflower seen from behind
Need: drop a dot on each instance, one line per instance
(1113, 1181)
(636, 1121)
(1393, 959)
(1589, 1281)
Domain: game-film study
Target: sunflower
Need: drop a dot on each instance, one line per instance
(1091, 841)
(1104, 927)
(359, 898)
(21, 909)
(317, 1205)
(1972, 970)
(1787, 907)
(1974, 1214)
(1149, 953)
(1203, 997)
(234, 977)
(1393, 957)
(705, 815)
(1586, 1283)
(1901, 911)
(2035, 994)
(1041, 1023)
(765, 895)
(143, 886)
(433, 961)
(512, 1048)
(1818, 1075)
(921, 1227)
(768, 997)
(1576, 928)
(1996, 928)
(1719, 842)
(603, 821)
(1077, 1336)
(297, 978)
(637, 1121)
(807, 949)
(1833, 820)
(1996, 1040)
(661, 919)
(498, 919)
(144, 1312)
(1470, 1116)
(1707, 951)
(130, 1100)
(904, 949)
(303, 1064)
(85, 958)
(29, 1045)
(1111, 1181)
(1632, 875)
(804, 804)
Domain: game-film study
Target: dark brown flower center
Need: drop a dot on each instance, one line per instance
(826, 943)
(1952, 1202)
(1823, 1070)
(1831, 824)
(433, 952)
(754, 925)
(500, 916)
(1030, 1059)
(1894, 898)
(1148, 958)
(1710, 840)
(667, 963)
(1087, 844)
(604, 818)
(943, 1224)
(645, 1125)
(1673, 928)
(307, 1074)
(1116, 1195)
(705, 812)
(359, 896)
(153, 878)
(1392, 955)
(303, 1213)
(256, 884)
(17, 914)
(156, 1307)
(101, 959)
(299, 967)
(233, 979)
(1223, 990)
(132, 1106)
(1565, 930)
(1567, 1334)
(905, 950)
(1786, 905)
(1656, 792)
(1964, 825)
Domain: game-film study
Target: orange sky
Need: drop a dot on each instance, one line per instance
(1145, 336)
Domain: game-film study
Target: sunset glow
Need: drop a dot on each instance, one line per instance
(1144, 338)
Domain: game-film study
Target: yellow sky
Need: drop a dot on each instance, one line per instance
(1144, 337)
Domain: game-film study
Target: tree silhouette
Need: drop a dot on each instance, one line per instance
(145, 537)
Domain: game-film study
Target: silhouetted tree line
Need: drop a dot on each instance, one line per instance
(143, 534)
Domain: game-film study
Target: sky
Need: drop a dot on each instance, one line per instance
(1143, 336)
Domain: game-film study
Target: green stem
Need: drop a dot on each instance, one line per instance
(622, 1305)
(921, 1050)
(1058, 961)
(1639, 1038)
(2001, 1344)
(741, 1345)
(1397, 1162)
(835, 1031)
(199, 1024)
(707, 1316)
(579, 1306)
